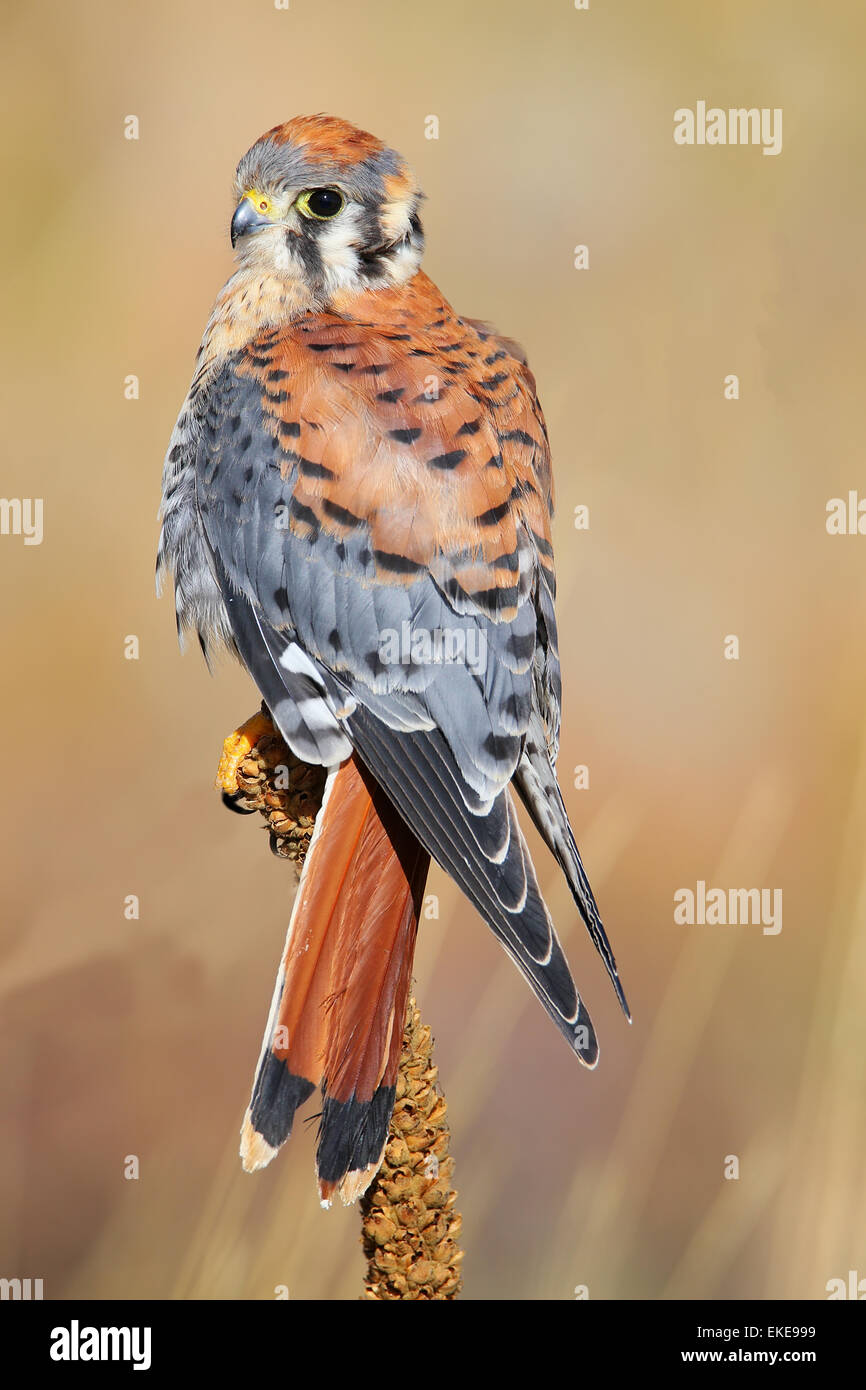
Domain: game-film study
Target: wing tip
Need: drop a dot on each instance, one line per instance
(620, 994)
(584, 1042)
(588, 1057)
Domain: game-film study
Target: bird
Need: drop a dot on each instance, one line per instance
(357, 501)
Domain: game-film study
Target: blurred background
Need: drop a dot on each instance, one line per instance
(707, 518)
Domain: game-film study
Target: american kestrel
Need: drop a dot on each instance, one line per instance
(357, 501)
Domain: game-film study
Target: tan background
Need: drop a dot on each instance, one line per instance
(707, 518)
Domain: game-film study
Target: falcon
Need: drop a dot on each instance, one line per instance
(357, 502)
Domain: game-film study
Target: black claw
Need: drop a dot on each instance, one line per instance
(232, 802)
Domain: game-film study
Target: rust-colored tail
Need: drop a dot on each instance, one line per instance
(337, 1014)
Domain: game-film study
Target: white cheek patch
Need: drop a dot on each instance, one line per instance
(405, 260)
(395, 217)
(338, 247)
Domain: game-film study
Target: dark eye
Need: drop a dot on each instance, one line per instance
(320, 203)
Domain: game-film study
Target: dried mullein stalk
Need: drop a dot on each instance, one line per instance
(410, 1228)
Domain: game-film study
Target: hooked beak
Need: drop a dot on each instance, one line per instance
(247, 219)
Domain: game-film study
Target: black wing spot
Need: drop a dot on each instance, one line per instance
(513, 708)
(518, 437)
(396, 564)
(405, 436)
(308, 468)
(544, 547)
(342, 515)
(494, 515)
(509, 561)
(374, 663)
(500, 746)
(447, 461)
(521, 646)
(302, 513)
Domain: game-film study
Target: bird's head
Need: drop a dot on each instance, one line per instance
(327, 205)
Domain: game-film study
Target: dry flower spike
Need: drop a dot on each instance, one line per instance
(410, 1227)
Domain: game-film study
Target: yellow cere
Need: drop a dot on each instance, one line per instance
(260, 201)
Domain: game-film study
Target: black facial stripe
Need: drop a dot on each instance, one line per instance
(314, 233)
(304, 246)
(369, 234)
(377, 259)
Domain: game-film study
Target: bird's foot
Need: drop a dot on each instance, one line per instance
(238, 746)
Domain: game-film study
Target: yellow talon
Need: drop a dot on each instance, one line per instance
(235, 749)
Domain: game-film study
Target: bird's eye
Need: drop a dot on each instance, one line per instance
(320, 203)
